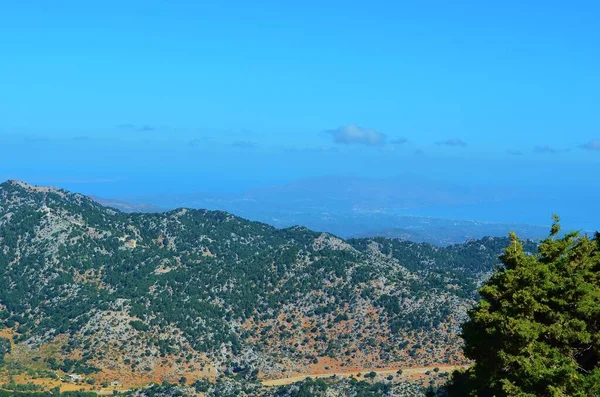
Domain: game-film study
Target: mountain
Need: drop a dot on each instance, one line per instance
(152, 297)
(432, 230)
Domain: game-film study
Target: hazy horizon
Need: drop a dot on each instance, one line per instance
(143, 98)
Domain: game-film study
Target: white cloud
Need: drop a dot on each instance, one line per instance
(352, 134)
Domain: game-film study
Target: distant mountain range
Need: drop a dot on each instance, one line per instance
(125, 206)
(342, 194)
(354, 207)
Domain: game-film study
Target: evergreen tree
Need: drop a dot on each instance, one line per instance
(536, 332)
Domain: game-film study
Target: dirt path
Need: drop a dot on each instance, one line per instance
(383, 371)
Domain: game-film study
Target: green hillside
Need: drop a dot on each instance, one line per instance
(208, 291)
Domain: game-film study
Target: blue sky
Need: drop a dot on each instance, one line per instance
(116, 97)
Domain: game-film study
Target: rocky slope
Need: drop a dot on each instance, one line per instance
(197, 293)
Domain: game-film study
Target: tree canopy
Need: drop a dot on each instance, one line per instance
(536, 331)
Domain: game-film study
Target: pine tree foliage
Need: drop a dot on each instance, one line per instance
(536, 331)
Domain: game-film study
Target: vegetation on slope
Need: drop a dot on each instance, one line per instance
(194, 290)
(536, 332)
